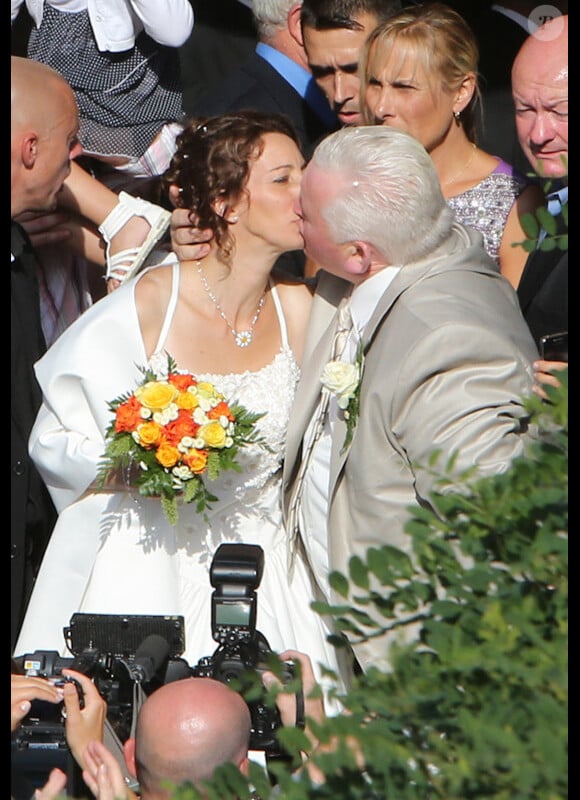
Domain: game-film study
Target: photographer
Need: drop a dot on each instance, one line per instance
(82, 725)
(185, 730)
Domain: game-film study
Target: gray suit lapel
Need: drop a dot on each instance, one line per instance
(330, 291)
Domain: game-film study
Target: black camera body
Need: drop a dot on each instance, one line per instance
(243, 653)
(130, 649)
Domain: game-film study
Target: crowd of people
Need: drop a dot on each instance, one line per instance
(324, 239)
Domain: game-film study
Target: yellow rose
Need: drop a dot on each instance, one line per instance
(187, 400)
(167, 455)
(156, 395)
(212, 434)
(149, 433)
(208, 391)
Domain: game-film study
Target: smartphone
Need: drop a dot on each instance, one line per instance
(554, 346)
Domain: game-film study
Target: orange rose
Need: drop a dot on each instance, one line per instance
(182, 382)
(196, 460)
(180, 427)
(221, 410)
(149, 434)
(167, 455)
(128, 416)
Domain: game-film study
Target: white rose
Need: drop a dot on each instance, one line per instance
(341, 378)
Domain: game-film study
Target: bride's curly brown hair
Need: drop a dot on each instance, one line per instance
(212, 164)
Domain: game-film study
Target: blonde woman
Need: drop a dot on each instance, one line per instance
(419, 74)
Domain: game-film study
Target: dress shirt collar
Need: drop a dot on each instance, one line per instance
(556, 200)
(301, 81)
(366, 296)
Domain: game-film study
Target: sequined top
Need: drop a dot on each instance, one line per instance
(487, 205)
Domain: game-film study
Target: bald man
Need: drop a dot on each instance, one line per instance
(185, 730)
(540, 94)
(43, 142)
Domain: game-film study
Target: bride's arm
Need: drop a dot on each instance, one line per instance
(93, 362)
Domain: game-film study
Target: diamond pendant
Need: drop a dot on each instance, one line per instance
(244, 338)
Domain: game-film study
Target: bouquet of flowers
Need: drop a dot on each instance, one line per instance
(170, 433)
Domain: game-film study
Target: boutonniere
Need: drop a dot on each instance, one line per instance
(344, 380)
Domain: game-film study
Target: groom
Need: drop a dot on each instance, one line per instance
(446, 354)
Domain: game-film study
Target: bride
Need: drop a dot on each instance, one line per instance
(226, 320)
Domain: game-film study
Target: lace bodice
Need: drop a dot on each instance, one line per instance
(486, 207)
(268, 391)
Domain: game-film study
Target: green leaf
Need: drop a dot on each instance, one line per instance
(358, 572)
(530, 225)
(547, 220)
(339, 583)
(169, 506)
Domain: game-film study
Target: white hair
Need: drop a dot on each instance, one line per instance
(389, 195)
(272, 16)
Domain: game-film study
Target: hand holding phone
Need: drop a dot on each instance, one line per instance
(554, 347)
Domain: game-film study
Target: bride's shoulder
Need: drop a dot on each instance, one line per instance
(153, 286)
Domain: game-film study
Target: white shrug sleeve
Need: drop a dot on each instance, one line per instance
(94, 361)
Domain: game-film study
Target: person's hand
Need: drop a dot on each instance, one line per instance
(53, 788)
(544, 376)
(83, 725)
(45, 228)
(24, 689)
(286, 703)
(188, 242)
(103, 775)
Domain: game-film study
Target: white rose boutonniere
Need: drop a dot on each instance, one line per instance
(344, 379)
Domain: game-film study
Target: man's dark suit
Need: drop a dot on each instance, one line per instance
(543, 292)
(32, 514)
(223, 37)
(257, 85)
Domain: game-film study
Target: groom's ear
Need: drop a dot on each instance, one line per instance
(358, 257)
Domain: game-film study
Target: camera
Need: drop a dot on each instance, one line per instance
(116, 651)
(243, 653)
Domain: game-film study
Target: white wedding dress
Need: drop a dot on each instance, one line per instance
(115, 553)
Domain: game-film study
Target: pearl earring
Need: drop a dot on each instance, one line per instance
(457, 114)
(234, 218)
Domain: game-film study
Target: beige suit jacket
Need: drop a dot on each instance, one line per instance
(447, 362)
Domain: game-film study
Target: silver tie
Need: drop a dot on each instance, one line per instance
(343, 329)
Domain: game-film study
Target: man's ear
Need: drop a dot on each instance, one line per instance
(294, 26)
(358, 257)
(129, 754)
(29, 149)
(244, 766)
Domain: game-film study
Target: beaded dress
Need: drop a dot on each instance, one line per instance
(486, 206)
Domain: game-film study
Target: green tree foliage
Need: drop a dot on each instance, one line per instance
(477, 707)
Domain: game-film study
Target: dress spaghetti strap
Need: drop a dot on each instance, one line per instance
(281, 318)
(170, 308)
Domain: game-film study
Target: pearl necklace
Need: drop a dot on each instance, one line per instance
(241, 338)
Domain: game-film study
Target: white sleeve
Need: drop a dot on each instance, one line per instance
(15, 8)
(169, 22)
(94, 361)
